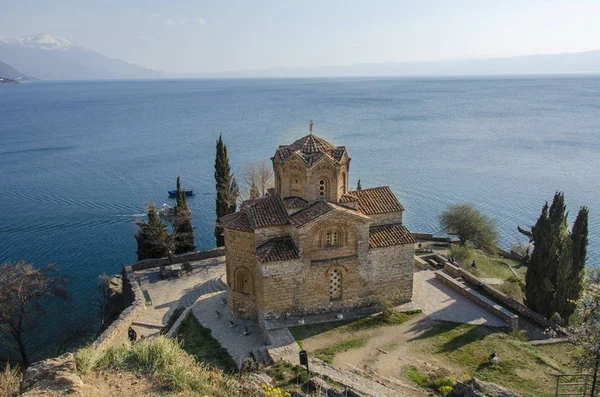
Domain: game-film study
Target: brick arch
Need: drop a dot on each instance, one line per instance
(346, 232)
(243, 281)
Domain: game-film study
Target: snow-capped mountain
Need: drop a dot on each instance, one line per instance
(51, 57)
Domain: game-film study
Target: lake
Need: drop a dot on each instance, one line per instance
(79, 160)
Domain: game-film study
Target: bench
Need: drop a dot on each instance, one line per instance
(147, 298)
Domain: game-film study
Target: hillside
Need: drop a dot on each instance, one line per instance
(8, 72)
(51, 57)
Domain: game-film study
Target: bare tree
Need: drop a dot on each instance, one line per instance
(24, 291)
(259, 175)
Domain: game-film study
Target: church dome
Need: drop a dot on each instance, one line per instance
(311, 147)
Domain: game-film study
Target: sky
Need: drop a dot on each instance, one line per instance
(187, 36)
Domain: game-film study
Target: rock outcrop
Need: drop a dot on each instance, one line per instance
(476, 388)
(54, 376)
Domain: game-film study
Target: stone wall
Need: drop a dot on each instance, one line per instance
(388, 273)
(134, 298)
(242, 272)
(386, 219)
(189, 256)
(510, 302)
(510, 318)
(265, 234)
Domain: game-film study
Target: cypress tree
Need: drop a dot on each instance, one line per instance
(183, 234)
(554, 278)
(152, 237)
(574, 278)
(226, 187)
(358, 185)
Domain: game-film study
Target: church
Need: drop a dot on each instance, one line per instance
(314, 246)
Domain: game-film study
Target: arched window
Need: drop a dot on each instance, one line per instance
(335, 283)
(322, 188)
(243, 282)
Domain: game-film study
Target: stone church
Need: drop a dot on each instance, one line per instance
(313, 246)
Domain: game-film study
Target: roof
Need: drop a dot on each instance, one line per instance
(348, 198)
(237, 221)
(377, 200)
(277, 249)
(294, 202)
(317, 209)
(256, 213)
(311, 148)
(389, 235)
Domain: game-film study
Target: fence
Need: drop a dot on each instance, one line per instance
(574, 385)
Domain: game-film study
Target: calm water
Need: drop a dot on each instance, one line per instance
(79, 160)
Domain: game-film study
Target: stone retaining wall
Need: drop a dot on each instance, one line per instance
(430, 237)
(190, 256)
(133, 297)
(420, 263)
(510, 302)
(510, 318)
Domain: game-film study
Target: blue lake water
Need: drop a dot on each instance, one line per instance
(78, 161)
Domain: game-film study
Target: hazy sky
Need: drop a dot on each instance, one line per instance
(202, 36)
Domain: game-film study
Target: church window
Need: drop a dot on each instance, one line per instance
(332, 239)
(335, 284)
(322, 187)
(243, 282)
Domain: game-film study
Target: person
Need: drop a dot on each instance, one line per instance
(474, 265)
(132, 334)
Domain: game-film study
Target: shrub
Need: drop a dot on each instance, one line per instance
(516, 280)
(415, 375)
(10, 381)
(445, 390)
(460, 252)
(447, 381)
(86, 359)
(270, 391)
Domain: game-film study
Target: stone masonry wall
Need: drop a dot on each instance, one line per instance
(190, 256)
(388, 273)
(386, 219)
(132, 294)
(265, 234)
(240, 256)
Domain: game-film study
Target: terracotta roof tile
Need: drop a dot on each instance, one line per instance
(313, 211)
(277, 249)
(348, 198)
(294, 202)
(266, 211)
(237, 221)
(389, 235)
(377, 200)
(311, 148)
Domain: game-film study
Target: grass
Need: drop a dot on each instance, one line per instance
(288, 376)
(169, 366)
(385, 318)
(523, 368)
(198, 342)
(327, 354)
(10, 381)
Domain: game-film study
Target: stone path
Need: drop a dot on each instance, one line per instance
(440, 302)
(233, 339)
(492, 280)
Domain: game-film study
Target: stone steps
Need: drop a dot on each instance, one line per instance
(209, 287)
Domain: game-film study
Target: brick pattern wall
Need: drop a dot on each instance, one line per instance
(240, 257)
(388, 272)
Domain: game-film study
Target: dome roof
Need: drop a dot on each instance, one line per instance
(311, 148)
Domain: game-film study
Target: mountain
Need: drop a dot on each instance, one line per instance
(8, 72)
(581, 62)
(51, 57)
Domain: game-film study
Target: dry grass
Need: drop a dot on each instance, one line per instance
(10, 381)
(168, 365)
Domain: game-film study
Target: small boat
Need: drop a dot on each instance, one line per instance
(173, 193)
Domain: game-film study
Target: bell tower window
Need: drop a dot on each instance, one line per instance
(332, 239)
(322, 188)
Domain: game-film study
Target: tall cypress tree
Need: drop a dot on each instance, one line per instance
(554, 277)
(574, 278)
(152, 237)
(183, 238)
(225, 203)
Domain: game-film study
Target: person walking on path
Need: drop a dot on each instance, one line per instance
(474, 265)
(132, 335)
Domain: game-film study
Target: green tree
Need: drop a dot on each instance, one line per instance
(152, 237)
(554, 279)
(468, 224)
(358, 185)
(227, 190)
(25, 292)
(183, 233)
